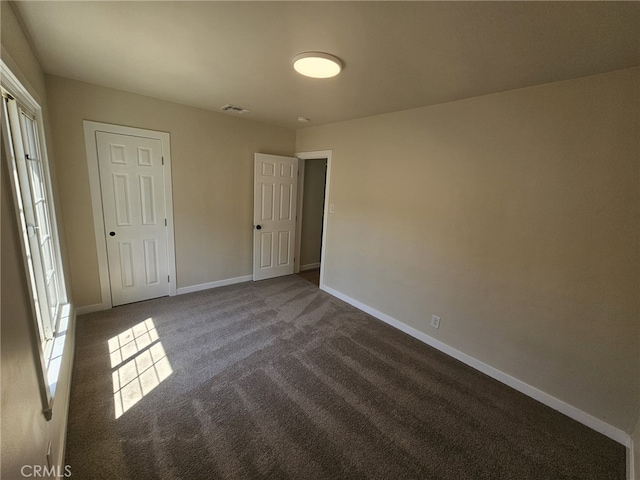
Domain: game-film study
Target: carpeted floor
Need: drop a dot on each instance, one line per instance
(277, 379)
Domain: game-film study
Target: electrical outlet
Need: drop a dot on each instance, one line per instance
(332, 209)
(435, 321)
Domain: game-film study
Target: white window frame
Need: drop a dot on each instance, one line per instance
(50, 324)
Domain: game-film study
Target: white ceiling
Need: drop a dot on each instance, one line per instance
(397, 55)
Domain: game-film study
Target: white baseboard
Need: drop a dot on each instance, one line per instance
(193, 288)
(309, 266)
(90, 309)
(219, 283)
(568, 410)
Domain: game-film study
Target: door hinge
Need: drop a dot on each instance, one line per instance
(169, 278)
(165, 222)
(163, 160)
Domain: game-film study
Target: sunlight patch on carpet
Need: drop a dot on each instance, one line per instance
(139, 364)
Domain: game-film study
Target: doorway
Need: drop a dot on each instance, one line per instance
(312, 215)
(130, 180)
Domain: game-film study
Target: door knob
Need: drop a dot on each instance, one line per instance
(113, 234)
(258, 227)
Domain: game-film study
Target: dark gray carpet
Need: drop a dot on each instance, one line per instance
(277, 379)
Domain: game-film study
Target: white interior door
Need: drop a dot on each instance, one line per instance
(134, 207)
(274, 215)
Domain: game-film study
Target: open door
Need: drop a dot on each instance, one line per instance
(274, 215)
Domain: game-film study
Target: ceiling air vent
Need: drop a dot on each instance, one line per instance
(234, 108)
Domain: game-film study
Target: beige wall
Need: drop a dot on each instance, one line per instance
(635, 437)
(25, 432)
(212, 172)
(636, 450)
(312, 206)
(512, 216)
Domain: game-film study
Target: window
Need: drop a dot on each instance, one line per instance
(29, 175)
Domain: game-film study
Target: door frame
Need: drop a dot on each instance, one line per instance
(313, 155)
(90, 130)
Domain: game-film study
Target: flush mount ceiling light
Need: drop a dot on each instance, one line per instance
(317, 64)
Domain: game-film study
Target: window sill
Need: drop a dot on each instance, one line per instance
(54, 362)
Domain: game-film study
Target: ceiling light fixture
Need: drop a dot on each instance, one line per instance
(317, 64)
